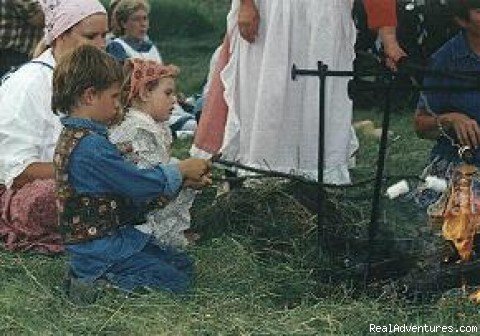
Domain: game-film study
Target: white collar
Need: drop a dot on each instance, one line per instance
(141, 116)
(47, 57)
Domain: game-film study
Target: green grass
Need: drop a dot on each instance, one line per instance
(192, 56)
(255, 258)
(187, 33)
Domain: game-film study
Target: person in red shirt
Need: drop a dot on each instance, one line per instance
(382, 16)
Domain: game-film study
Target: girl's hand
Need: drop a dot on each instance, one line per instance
(248, 20)
(466, 128)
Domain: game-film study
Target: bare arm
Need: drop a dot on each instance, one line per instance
(248, 20)
(426, 125)
(382, 17)
(393, 51)
(33, 172)
(465, 128)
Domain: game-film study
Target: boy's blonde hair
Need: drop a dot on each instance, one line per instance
(84, 67)
(124, 9)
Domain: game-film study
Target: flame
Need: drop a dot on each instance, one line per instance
(458, 213)
(460, 217)
(475, 296)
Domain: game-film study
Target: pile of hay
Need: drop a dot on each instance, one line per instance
(276, 223)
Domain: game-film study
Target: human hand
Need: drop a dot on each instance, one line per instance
(248, 20)
(465, 128)
(393, 51)
(194, 169)
(204, 181)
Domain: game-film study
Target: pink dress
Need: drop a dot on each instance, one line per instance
(29, 218)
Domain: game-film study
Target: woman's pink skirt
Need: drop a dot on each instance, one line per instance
(28, 218)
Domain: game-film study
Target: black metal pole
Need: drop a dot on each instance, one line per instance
(321, 241)
(322, 73)
(376, 200)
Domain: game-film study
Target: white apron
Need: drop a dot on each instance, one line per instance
(152, 54)
(272, 121)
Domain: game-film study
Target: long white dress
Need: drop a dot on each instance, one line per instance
(272, 121)
(149, 143)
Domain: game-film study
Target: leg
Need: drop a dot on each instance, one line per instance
(153, 267)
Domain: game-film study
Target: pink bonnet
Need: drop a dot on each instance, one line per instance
(61, 15)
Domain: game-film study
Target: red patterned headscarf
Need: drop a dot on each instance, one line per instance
(144, 71)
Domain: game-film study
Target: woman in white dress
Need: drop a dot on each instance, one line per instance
(254, 113)
(272, 121)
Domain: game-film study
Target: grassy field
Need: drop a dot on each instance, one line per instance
(254, 262)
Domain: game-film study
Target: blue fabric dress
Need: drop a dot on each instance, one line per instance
(128, 258)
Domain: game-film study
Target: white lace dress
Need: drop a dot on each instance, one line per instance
(150, 145)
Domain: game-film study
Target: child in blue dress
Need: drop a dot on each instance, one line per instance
(100, 195)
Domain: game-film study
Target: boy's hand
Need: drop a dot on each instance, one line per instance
(204, 181)
(194, 169)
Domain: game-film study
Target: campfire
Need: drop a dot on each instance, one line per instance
(458, 211)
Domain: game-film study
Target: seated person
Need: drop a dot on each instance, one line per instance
(100, 195)
(451, 118)
(145, 133)
(29, 130)
(131, 18)
(455, 113)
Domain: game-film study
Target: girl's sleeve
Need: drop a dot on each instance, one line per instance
(381, 13)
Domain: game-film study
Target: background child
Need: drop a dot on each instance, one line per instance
(149, 95)
(131, 23)
(100, 194)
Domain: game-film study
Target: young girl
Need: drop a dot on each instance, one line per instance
(149, 97)
(100, 195)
